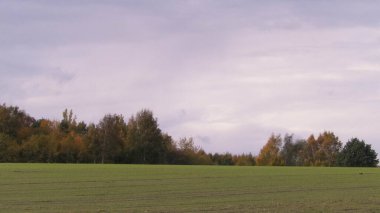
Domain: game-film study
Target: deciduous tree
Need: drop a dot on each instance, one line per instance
(112, 132)
(15, 123)
(270, 153)
(145, 142)
(329, 147)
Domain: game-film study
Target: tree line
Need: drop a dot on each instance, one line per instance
(324, 150)
(140, 141)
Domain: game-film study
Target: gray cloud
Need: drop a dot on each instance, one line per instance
(227, 73)
(339, 13)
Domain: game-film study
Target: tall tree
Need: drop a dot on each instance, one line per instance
(15, 123)
(288, 152)
(145, 142)
(329, 148)
(310, 151)
(270, 153)
(112, 132)
(68, 121)
(299, 148)
(171, 148)
(292, 151)
(357, 153)
(93, 143)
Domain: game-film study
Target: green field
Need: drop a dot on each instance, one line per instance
(151, 188)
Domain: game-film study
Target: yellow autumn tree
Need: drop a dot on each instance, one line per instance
(270, 153)
(330, 147)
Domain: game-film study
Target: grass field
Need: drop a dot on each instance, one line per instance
(149, 188)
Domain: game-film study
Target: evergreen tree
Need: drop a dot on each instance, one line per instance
(357, 153)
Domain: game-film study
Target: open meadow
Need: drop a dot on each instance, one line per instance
(168, 188)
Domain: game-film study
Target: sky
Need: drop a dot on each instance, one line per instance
(227, 73)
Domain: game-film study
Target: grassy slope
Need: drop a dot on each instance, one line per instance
(145, 188)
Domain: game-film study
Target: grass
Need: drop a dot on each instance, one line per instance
(158, 188)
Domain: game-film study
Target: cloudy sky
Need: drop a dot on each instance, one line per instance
(228, 73)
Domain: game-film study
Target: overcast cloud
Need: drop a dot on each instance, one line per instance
(228, 73)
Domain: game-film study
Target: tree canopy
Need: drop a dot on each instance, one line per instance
(140, 140)
(356, 153)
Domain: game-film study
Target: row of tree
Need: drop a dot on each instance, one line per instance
(112, 140)
(141, 141)
(325, 150)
